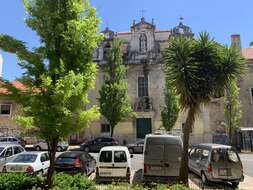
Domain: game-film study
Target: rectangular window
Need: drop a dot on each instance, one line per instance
(251, 95)
(120, 156)
(106, 156)
(105, 128)
(142, 86)
(5, 109)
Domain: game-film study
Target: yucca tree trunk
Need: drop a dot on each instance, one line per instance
(186, 135)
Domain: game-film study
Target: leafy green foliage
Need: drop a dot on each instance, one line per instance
(232, 108)
(199, 69)
(114, 104)
(58, 73)
(171, 109)
(76, 182)
(20, 181)
(13, 181)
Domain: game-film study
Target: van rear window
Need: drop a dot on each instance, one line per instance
(222, 155)
(105, 156)
(218, 155)
(120, 156)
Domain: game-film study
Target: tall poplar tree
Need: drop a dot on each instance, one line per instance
(114, 103)
(59, 72)
(170, 110)
(232, 108)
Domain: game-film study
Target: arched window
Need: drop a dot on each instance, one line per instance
(143, 42)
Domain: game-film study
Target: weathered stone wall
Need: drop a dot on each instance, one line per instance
(7, 125)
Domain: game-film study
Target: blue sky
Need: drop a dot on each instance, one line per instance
(220, 18)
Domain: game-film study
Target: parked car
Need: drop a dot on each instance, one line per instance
(136, 147)
(42, 145)
(114, 163)
(8, 152)
(162, 158)
(33, 163)
(74, 162)
(12, 140)
(98, 143)
(216, 163)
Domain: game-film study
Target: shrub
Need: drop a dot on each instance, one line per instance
(14, 181)
(77, 182)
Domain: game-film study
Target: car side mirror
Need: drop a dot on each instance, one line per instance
(131, 156)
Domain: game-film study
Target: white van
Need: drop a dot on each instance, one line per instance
(113, 164)
(162, 158)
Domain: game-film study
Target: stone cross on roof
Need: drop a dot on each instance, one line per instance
(142, 13)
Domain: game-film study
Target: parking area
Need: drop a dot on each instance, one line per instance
(194, 180)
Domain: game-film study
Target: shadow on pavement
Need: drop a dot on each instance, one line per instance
(196, 183)
(137, 177)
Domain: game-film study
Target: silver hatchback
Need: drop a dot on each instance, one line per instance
(216, 163)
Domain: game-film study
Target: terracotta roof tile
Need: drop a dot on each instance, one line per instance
(247, 53)
(16, 84)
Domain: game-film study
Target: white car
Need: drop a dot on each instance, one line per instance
(62, 146)
(33, 163)
(8, 152)
(114, 163)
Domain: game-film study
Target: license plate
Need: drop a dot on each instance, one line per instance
(16, 168)
(222, 172)
(105, 173)
(156, 168)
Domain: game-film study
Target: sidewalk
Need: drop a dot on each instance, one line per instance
(195, 183)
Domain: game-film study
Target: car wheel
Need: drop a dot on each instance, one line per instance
(59, 149)
(38, 148)
(131, 151)
(86, 149)
(40, 173)
(235, 184)
(203, 178)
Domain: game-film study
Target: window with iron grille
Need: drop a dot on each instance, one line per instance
(142, 86)
(105, 128)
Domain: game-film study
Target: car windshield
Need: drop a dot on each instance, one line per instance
(65, 160)
(25, 158)
(140, 142)
(1, 151)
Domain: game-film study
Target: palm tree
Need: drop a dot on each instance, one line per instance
(199, 69)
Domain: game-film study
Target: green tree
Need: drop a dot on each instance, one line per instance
(171, 109)
(199, 69)
(58, 73)
(114, 103)
(232, 108)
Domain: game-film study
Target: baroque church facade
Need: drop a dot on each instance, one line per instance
(142, 54)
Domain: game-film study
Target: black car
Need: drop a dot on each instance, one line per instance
(98, 143)
(73, 162)
(136, 148)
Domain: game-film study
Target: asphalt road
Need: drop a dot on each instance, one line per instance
(247, 162)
